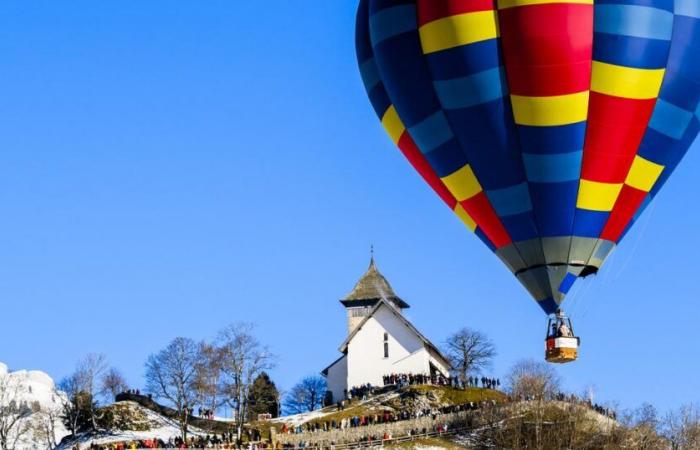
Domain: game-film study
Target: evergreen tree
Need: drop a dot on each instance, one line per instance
(264, 397)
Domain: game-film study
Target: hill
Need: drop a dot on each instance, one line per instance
(422, 417)
(444, 417)
(130, 422)
(410, 399)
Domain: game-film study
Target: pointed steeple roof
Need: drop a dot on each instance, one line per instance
(371, 288)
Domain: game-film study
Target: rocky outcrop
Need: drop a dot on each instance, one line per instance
(34, 395)
(211, 426)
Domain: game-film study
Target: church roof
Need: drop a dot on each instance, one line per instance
(371, 288)
(432, 347)
(324, 372)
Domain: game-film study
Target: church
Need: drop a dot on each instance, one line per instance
(381, 340)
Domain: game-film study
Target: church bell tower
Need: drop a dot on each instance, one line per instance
(369, 290)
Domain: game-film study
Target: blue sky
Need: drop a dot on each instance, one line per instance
(167, 168)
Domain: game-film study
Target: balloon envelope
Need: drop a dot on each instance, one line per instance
(546, 126)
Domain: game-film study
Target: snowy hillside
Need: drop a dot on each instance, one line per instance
(151, 424)
(39, 403)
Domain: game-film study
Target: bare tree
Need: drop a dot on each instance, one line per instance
(171, 374)
(71, 411)
(529, 379)
(682, 427)
(469, 351)
(307, 395)
(44, 422)
(208, 377)
(113, 383)
(243, 359)
(13, 412)
(557, 426)
(533, 380)
(646, 415)
(89, 372)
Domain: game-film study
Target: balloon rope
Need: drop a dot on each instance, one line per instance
(588, 303)
(587, 283)
(574, 296)
(640, 235)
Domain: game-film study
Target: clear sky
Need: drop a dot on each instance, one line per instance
(167, 168)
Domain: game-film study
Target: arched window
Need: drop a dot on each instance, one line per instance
(386, 345)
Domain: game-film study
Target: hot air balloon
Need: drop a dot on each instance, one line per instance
(546, 126)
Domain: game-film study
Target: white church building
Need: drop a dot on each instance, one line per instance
(381, 340)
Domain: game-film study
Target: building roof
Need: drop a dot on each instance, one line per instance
(324, 372)
(371, 288)
(344, 346)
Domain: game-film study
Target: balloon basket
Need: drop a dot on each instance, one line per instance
(561, 350)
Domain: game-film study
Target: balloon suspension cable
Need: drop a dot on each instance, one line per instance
(573, 297)
(607, 268)
(584, 285)
(635, 246)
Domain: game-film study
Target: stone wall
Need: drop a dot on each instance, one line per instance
(395, 429)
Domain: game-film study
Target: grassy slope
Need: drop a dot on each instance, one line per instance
(453, 396)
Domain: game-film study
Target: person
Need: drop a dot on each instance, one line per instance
(564, 330)
(554, 330)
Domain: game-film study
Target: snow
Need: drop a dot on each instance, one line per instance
(300, 419)
(33, 387)
(161, 428)
(426, 447)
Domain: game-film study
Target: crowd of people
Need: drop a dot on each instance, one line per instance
(206, 413)
(410, 379)
(400, 380)
(224, 441)
(372, 440)
(361, 392)
(487, 383)
(379, 418)
(575, 399)
(138, 392)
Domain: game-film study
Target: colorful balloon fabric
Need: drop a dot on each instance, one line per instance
(546, 126)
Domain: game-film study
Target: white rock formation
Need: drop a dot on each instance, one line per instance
(36, 396)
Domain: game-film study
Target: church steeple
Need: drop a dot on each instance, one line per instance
(368, 291)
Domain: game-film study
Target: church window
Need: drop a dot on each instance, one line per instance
(386, 345)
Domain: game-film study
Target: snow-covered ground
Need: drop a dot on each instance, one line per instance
(298, 419)
(160, 428)
(37, 392)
